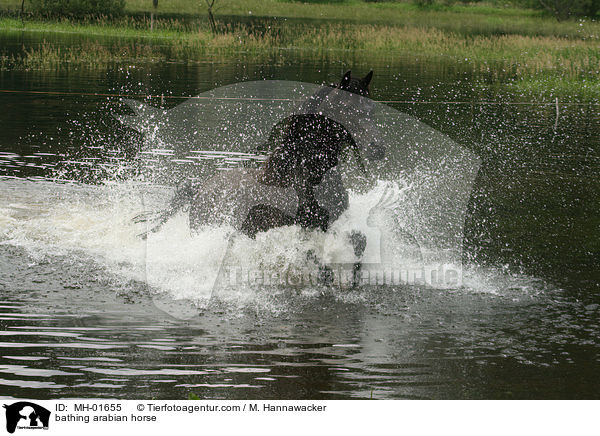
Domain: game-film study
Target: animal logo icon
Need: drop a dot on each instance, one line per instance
(27, 415)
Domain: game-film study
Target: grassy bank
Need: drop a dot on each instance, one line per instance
(561, 57)
(472, 19)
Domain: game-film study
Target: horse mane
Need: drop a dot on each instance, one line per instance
(308, 135)
(309, 139)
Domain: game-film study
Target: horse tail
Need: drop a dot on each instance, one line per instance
(184, 195)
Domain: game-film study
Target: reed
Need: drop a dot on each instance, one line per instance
(517, 54)
(563, 61)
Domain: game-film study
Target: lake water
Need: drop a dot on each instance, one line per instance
(80, 316)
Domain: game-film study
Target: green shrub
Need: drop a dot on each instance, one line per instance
(563, 9)
(423, 3)
(78, 8)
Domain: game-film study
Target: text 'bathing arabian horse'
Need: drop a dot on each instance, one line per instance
(285, 190)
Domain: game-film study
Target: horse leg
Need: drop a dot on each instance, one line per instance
(359, 243)
(309, 214)
(262, 218)
(312, 216)
(183, 195)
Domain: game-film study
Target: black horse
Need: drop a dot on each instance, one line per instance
(306, 148)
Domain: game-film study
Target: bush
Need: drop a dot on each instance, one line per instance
(423, 3)
(563, 9)
(78, 8)
(437, 4)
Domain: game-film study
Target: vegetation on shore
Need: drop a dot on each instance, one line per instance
(519, 47)
(477, 18)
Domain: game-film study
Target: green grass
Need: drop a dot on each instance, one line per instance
(519, 54)
(474, 18)
(546, 88)
(543, 58)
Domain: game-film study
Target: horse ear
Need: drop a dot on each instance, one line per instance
(367, 79)
(345, 80)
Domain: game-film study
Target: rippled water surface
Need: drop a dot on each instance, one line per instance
(70, 329)
(79, 312)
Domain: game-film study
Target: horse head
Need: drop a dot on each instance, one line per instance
(354, 85)
(310, 142)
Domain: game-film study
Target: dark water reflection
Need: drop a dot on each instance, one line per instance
(74, 332)
(70, 329)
